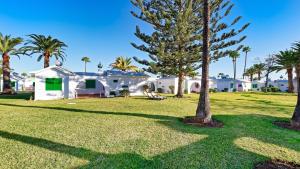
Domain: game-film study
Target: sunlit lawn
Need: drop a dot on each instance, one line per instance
(140, 133)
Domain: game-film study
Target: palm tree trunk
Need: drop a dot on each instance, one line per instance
(296, 116)
(251, 77)
(46, 59)
(259, 75)
(245, 66)
(203, 109)
(290, 80)
(180, 85)
(85, 67)
(6, 74)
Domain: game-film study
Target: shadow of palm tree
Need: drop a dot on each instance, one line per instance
(219, 147)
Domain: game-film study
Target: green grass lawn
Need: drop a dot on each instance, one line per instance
(140, 133)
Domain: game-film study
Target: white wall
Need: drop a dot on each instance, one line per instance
(40, 85)
(164, 84)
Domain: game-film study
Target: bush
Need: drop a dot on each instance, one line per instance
(213, 90)
(172, 88)
(160, 90)
(226, 90)
(270, 89)
(112, 93)
(124, 93)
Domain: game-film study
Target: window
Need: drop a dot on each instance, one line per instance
(231, 85)
(53, 84)
(13, 84)
(240, 85)
(115, 81)
(125, 86)
(90, 84)
(254, 86)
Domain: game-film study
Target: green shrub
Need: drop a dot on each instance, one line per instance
(124, 93)
(213, 90)
(172, 88)
(159, 90)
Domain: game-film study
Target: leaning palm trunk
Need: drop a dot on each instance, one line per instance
(180, 85)
(203, 109)
(6, 74)
(290, 80)
(296, 116)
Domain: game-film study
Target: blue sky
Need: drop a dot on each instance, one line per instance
(103, 30)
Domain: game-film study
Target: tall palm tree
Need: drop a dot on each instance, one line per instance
(285, 60)
(85, 60)
(234, 55)
(246, 50)
(123, 64)
(47, 47)
(8, 47)
(203, 109)
(259, 68)
(296, 116)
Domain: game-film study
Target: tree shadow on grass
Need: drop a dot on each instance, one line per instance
(19, 96)
(221, 149)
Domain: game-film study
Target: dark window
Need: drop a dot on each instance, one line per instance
(53, 84)
(13, 84)
(115, 81)
(125, 86)
(90, 84)
(254, 86)
(240, 85)
(231, 85)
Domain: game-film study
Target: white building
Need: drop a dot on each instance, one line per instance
(16, 82)
(229, 85)
(56, 82)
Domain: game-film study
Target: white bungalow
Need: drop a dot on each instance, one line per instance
(229, 84)
(16, 82)
(56, 82)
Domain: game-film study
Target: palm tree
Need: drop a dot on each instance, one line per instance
(246, 50)
(259, 68)
(203, 110)
(285, 60)
(8, 47)
(85, 60)
(250, 73)
(123, 64)
(296, 116)
(47, 47)
(234, 55)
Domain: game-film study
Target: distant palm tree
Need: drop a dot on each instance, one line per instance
(123, 64)
(234, 55)
(259, 68)
(8, 47)
(246, 50)
(296, 116)
(250, 73)
(46, 47)
(24, 74)
(285, 60)
(85, 60)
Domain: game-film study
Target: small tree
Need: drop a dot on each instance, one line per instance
(269, 67)
(85, 60)
(259, 68)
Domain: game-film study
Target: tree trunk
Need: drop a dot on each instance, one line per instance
(234, 76)
(46, 59)
(251, 77)
(203, 109)
(180, 85)
(245, 66)
(296, 116)
(259, 75)
(6, 74)
(85, 67)
(290, 80)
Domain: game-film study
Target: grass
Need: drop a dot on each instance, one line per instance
(140, 133)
